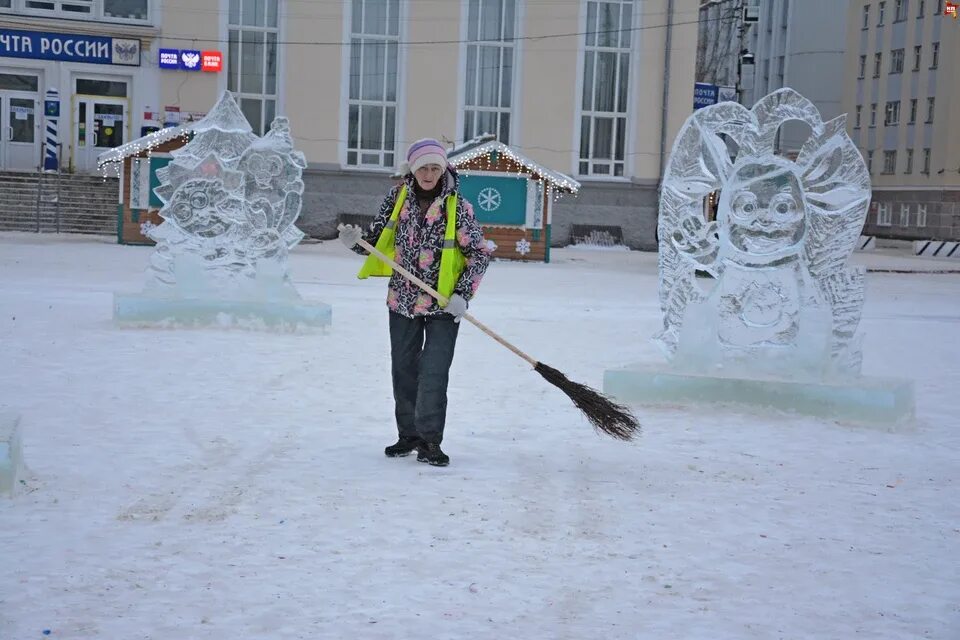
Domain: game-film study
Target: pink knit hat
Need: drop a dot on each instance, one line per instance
(424, 152)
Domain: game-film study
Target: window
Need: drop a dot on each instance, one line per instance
(884, 215)
(889, 162)
(939, 7)
(891, 114)
(870, 161)
(930, 102)
(489, 75)
(126, 9)
(921, 215)
(252, 60)
(606, 72)
(896, 61)
(920, 7)
(900, 10)
(904, 215)
(863, 66)
(859, 112)
(880, 11)
(116, 89)
(877, 62)
(909, 168)
(913, 111)
(926, 162)
(866, 16)
(935, 55)
(781, 64)
(113, 10)
(917, 56)
(372, 97)
(873, 114)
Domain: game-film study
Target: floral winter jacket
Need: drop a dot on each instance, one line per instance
(419, 241)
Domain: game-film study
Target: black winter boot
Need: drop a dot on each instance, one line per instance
(430, 452)
(403, 447)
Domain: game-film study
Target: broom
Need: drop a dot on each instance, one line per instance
(605, 415)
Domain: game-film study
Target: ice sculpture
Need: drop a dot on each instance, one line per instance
(230, 201)
(779, 305)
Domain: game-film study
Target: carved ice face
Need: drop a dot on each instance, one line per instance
(762, 207)
(201, 207)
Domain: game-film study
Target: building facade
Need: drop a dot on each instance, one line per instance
(799, 44)
(902, 85)
(592, 88)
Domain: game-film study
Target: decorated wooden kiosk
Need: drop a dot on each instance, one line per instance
(136, 164)
(511, 196)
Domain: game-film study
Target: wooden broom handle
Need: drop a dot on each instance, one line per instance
(436, 294)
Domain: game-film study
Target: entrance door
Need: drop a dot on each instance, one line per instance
(19, 131)
(99, 123)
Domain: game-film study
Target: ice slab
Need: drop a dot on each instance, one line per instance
(278, 315)
(861, 400)
(11, 453)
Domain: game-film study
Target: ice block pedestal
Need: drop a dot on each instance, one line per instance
(272, 315)
(11, 453)
(879, 402)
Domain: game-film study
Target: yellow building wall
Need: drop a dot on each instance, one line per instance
(200, 29)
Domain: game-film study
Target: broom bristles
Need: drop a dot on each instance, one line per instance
(605, 415)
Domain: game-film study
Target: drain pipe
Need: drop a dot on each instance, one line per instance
(666, 94)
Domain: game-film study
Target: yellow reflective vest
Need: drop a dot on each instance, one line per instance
(452, 260)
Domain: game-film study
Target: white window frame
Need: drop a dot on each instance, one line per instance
(866, 16)
(891, 113)
(889, 162)
(235, 63)
(935, 55)
(389, 153)
(623, 98)
(896, 61)
(921, 215)
(884, 215)
(881, 9)
(909, 168)
(913, 111)
(877, 64)
(870, 161)
(873, 114)
(920, 9)
(931, 106)
(503, 43)
(96, 12)
(857, 115)
(863, 66)
(926, 162)
(904, 214)
(917, 57)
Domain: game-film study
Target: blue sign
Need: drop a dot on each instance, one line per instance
(169, 59)
(190, 60)
(69, 47)
(704, 95)
(496, 199)
(51, 108)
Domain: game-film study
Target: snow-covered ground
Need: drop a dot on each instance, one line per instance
(230, 484)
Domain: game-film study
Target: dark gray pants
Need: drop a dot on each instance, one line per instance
(421, 351)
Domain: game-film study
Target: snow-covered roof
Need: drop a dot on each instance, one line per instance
(144, 143)
(482, 145)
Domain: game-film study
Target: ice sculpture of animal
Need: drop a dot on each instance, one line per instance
(782, 299)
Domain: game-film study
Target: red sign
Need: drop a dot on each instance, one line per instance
(951, 9)
(211, 61)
